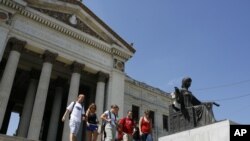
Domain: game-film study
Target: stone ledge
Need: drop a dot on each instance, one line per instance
(219, 131)
(12, 138)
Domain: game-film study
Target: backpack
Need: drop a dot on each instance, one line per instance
(72, 109)
(104, 124)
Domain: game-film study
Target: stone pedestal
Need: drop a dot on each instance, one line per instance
(219, 131)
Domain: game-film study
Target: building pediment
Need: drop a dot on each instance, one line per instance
(66, 18)
(85, 20)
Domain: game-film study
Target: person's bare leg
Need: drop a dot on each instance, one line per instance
(72, 137)
(95, 134)
(89, 135)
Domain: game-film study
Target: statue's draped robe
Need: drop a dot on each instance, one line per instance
(202, 111)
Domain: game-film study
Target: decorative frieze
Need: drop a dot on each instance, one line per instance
(98, 45)
(5, 16)
(65, 17)
(119, 65)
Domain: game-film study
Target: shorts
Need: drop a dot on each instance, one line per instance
(92, 127)
(74, 126)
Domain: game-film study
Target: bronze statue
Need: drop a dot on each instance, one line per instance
(195, 112)
(184, 96)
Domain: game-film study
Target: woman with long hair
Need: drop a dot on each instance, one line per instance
(145, 127)
(92, 122)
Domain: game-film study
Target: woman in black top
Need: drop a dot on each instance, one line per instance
(92, 122)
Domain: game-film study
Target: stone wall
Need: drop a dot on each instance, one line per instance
(147, 97)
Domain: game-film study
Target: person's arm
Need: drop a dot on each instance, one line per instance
(83, 114)
(86, 118)
(140, 126)
(134, 128)
(68, 109)
(104, 117)
(64, 116)
(121, 123)
(97, 119)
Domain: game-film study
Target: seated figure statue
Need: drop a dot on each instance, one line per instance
(202, 111)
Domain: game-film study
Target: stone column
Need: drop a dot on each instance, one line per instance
(54, 119)
(9, 75)
(3, 39)
(100, 93)
(7, 117)
(116, 90)
(28, 105)
(41, 95)
(73, 93)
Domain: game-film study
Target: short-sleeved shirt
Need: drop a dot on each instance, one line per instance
(113, 117)
(127, 125)
(77, 112)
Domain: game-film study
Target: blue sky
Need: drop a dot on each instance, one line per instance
(208, 40)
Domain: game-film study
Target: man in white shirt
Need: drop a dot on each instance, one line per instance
(76, 113)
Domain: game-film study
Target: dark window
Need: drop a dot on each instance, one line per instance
(152, 116)
(135, 111)
(165, 122)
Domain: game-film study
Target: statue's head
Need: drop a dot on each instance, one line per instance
(186, 82)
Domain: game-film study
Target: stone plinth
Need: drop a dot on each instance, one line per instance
(12, 138)
(219, 131)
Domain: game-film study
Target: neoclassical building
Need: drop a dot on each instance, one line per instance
(52, 50)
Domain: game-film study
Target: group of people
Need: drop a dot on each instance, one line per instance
(112, 128)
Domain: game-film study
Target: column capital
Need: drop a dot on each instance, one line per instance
(17, 44)
(102, 76)
(49, 56)
(77, 67)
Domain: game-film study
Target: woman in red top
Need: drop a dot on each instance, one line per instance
(145, 127)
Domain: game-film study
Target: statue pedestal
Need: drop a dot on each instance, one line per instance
(219, 131)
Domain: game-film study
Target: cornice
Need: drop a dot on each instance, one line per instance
(67, 31)
(146, 86)
(64, 17)
(76, 2)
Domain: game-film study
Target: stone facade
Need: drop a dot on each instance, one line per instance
(46, 62)
(146, 97)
